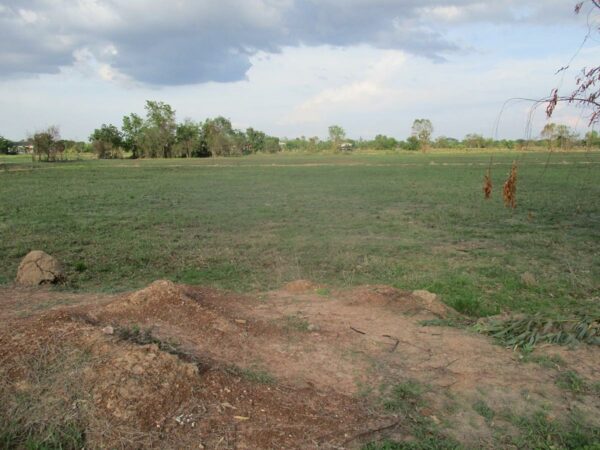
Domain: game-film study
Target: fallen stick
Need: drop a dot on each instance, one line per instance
(394, 339)
(369, 432)
(358, 331)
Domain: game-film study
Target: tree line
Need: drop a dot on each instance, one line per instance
(159, 135)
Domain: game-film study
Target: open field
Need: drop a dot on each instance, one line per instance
(412, 221)
(299, 318)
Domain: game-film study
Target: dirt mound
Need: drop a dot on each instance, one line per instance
(188, 365)
(119, 394)
(406, 302)
(38, 268)
(300, 286)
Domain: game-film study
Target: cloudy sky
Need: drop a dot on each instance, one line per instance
(291, 67)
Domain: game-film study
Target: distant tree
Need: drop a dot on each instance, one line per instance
(75, 148)
(272, 144)
(45, 144)
(218, 133)
(336, 135)
(565, 136)
(592, 139)
(474, 140)
(422, 129)
(561, 135)
(132, 128)
(548, 133)
(107, 142)
(412, 143)
(189, 140)
(446, 142)
(382, 142)
(5, 145)
(256, 140)
(158, 134)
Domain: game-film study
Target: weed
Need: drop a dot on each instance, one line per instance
(547, 362)
(404, 397)
(69, 436)
(571, 381)
(539, 431)
(80, 266)
(482, 408)
(323, 292)
(448, 322)
(42, 415)
(253, 375)
(431, 443)
(296, 323)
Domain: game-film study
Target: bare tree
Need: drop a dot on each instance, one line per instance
(46, 144)
(422, 129)
(587, 92)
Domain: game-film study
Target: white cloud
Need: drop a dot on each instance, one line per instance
(28, 16)
(370, 93)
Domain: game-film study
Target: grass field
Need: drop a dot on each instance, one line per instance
(413, 221)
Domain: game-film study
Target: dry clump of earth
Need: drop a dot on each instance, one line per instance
(38, 267)
(175, 366)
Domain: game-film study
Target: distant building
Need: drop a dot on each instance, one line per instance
(346, 146)
(23, 148)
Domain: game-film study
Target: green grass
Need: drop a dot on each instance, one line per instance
(547, 362)
(538, 431)
(572, 381)
(412, 221)
(406, 399)
(296, 323)
(433, 443)
(253, 374)
(483, 409)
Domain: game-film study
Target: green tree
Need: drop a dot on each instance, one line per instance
(189, 140)
(548, 133)
(132, 128)
(422, 129)
(592, 139)
(446, 142)
(256, 140)
(272, 144)
(158, 134)
(336, 136)
(561, 135)
(474, 140)
(107, 142)
(412, 143)
(219, 136)
(5, 145)
(382, 142)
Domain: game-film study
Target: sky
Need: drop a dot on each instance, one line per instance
(293, 67)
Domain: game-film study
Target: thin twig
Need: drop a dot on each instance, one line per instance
(369, 432)
(358, 331)
(394, 339)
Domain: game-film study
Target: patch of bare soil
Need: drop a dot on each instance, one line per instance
(287, 369)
